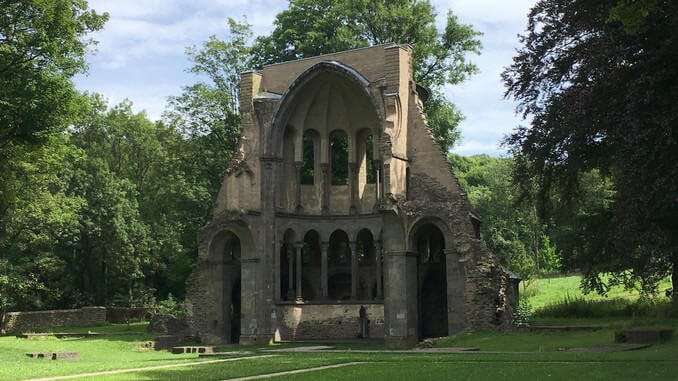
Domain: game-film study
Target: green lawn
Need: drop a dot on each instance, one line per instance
(545, 359)
(545, 291)
(525, 355)
(120, 349)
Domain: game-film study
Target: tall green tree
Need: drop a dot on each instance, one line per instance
(310, 27)
(149, 165)
(598, 80)
(511, 228)
(207, 111)
(42, 45)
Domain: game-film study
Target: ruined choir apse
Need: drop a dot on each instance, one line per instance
(339, 199)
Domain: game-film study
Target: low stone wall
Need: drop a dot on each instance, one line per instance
(34, 320)
(326, 321)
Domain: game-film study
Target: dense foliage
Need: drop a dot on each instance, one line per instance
(599, 82)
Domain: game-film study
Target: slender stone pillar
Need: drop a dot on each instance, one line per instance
(298, 208)
(378, 258)
(378, 190)
(353, 187)
(290, 267)
(324, 247)
(325, 184)
(354, 269)
(297, 249)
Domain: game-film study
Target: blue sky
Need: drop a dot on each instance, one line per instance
(140, 55)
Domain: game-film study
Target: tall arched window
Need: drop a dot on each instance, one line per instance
(339, 157)
(310, 259)
(371, 170)
(365, 252)
(308, 150)
(339, 267)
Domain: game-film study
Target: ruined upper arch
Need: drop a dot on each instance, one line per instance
(332, 87)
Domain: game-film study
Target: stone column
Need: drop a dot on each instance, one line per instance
(250, 289)
(378, 259)
(454, 267)
(378, 190)
(297, 177)
(325, 184)
(290, 268)
(276, 271)
(297, 249)
(354, 270)
(353, 187)
(324, 247)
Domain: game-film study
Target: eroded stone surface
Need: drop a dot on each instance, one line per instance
(339, 200)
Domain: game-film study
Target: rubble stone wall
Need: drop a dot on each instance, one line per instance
(327, 321)
(34, 320)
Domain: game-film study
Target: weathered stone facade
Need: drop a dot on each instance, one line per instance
(339, 198)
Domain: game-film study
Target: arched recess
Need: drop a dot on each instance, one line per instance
(310, 150)
(367, 171)
(339, 157)
(329, 98)
(311, 262)
(429, 243)
(226, 249)
(286, 269)
(289, 172)
(299, 88)
(339, 266)
(366, 255)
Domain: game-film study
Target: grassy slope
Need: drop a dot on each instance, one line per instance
(542, 292)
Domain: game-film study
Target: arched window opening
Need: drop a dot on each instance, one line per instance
(365, 252)
(286, 270)
(365, 248)
(339, 157)
(371, 169)
(308, 150)
(339, 266)
(311, 262)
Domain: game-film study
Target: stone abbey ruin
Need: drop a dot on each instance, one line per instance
(340, 204)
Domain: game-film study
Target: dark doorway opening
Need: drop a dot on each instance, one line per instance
(432, 282)
(235, 313)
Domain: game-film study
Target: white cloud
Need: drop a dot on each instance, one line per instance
(141, 54)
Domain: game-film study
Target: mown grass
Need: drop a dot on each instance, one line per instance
(554, 290)
(519, 355)
(119, 349)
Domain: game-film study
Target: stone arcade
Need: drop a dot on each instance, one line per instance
(339, 198)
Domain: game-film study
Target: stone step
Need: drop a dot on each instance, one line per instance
(54, 355)
(226, 354)
(643, 335)
(192, 349)
(58, 335)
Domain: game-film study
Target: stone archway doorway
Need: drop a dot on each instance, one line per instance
(235, 313)
(432, 282)
(231, 247)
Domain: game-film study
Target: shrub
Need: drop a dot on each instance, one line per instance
(523, 314)
(617, 307)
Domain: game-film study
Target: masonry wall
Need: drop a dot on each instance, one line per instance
(33, 320)
(326, 321)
